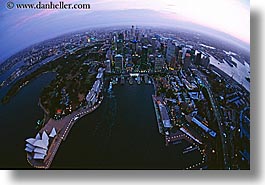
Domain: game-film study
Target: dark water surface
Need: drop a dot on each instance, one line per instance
(121, 134)
(18, 121)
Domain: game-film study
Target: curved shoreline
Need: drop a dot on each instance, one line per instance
(63, 128)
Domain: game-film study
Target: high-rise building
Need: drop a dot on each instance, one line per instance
(192, 55)
(119, 46)
(205, 61)
(108, 54)
(121, 36)
(118, 63)
(144, 54)
(159, 63)
(180, 57)
(133, 46)
(154, 43)
(137, 34)
(187, 61)
(150, 49)
(132, 32)
(171, 51)
(107, 64)
(198, 59)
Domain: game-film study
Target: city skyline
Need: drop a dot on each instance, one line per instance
(229, 17)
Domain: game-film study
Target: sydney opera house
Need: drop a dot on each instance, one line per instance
(37, 147)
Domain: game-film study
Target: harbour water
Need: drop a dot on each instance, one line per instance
(121, 134)
(239, 73)
(18, 122)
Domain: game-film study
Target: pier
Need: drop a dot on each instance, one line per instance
(159, 124)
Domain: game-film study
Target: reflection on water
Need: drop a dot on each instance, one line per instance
(18, 122)
(121, 134)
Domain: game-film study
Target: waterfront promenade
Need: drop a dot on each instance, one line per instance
(63, 127)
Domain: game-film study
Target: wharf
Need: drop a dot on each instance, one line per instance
(159, 124)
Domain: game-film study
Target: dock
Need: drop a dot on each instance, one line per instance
(159, 124)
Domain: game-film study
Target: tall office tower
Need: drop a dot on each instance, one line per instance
(121, 36)
(126, 34)
(132, 32)
(109, 54)
(150, 49)
(171, 52)
(144, 55)
(159, 63)
(119, 46)
(198, 59)
(118, 63)
(134, 46)
(137, 34)
(205, 61)
(180, 57)
(187, 61)
(192, 55)
(154, 43)
(107, 64)
(176, 63)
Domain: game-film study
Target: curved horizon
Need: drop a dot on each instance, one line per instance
(230, 17)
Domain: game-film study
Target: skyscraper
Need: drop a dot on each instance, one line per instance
(119, 46)
(144, 55)
(205, 61)
(187, 61)
(107, 64)
(198, 59)
(118, 63)
(171, 53)
(180, 57)
(133, 33)
(159, 63)
(192, 57)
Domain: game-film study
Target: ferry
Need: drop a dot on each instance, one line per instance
(110, 86)
(138, 80)
(189, 149)
(145, 79)
(122, 80)
(130, 80)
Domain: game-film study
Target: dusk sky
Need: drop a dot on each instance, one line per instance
(21, 28)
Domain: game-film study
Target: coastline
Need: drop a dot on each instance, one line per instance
(63, 128)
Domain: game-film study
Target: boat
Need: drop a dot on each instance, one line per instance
(122, 80)
(110, 86)
(189, 149)
(138, 80)
(145, 79)
(177, 142)
(131, 81)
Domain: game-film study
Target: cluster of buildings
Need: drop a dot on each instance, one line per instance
(181, 95)
(136, 50)
(38, 147)
(179, 55)
(133, 50)
(93, 94)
